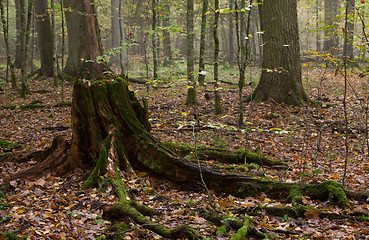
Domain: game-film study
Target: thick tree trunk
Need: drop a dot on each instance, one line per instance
(280, 79)
(84, 46)
(45, 37)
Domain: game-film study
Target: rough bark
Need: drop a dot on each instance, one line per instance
(280, 79)
(84, 46)
(45, 37)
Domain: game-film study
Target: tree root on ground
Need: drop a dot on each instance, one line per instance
(240, 156)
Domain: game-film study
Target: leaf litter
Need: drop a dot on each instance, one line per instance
(309, 138)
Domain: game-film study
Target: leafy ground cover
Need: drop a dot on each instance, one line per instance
(309, 138)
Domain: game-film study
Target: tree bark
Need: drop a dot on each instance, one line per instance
(331, 40)
(167, 49)
(45, 37)
(118, 34)
(84, 45)
(20, 35)
(154, 39)
(217, 100)
(202, 73)
(350, 31)
(280, 79)
(231, 55)
(191, 91)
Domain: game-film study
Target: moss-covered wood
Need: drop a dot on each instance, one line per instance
(239, 156)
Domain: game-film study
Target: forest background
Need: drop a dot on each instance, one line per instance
(321, 140)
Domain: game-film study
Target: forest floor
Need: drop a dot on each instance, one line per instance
(310, 138)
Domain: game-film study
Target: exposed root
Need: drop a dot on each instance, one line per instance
(51, 159)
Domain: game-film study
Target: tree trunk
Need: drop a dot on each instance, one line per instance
(350, 31)
(202, 72)
(167, 49)
(9, 62)
(231, 59)
(20, 35)
(154, 39)
(191, 91)
(118, 34)
(84, 45)
(280, 79)
(331, 39)
(218, 105)
(45, 37)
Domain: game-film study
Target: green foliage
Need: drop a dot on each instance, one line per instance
(11, 236)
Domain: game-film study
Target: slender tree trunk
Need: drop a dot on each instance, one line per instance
(230, 51)
(20, 9)
(318, 32)
(45, 37)
(218, 105)
(280, 79)
(84, 43)
(154, 39)
(202, 72)
(118, 35)
(331, 40)
(191, 91)
(25, 29)
(9, 62)
(350, 30)
(53, 35)
(167, 49)
(242, 53)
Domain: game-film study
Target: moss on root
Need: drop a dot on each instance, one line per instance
(238, 156)
(330, 190)
(100, 167)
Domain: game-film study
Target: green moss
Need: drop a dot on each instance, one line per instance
(100, 167)
(221, 231)
(31, 106)
(116, 232)
(331, 189)
(11, 236)
(6, 144)
(10, 106)
(64, 104)
(243, 231)
(295, 195)
(246, 190)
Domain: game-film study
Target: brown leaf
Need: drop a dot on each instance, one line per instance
(312, 214)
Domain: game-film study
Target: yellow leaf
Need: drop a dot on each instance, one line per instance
(207, 12)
